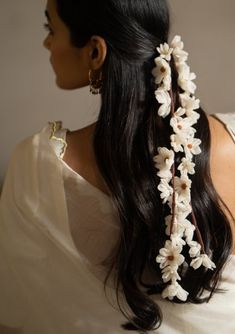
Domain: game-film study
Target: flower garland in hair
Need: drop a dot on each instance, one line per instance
(175, 191)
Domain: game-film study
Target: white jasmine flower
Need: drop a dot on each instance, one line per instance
(192, 147)
(195, 249)
(207, 262)
(164, 159)
(186, 167)
(183, 186)
(180, 56)
(204, 260)
(163, 97)
(180, 112)
(189, 232)
(177, 143)
(182, 126)
(180, 226)
(182, 217)
(192, 116)
(165, 174)
(177, 240)
(170, 256)
(165, 51)
(182, 205)
(184, 72)
(188, 85)
(189, 103)
(162, 72)
(165, 189)
(169, 273)
(177, 43)
(185, 78)
(175, 290)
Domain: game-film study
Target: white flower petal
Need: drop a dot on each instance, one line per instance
(182, 126)
(164, 110)
(164, 159)
(162, 96)
(182, 294)
(182, 205)
(192, 147)
(196, 263)
(186, 167)
(195, 250)
(175, 290)
(189, 233)
(204, 260)
(177, 241)
(165, 51)
(189, 103)
(207, 262)
(162, 71)
(177, 42)
(177, 143)
(169, 273)
(180, 56)
(180, 112)
(165, 189)
(183, 186)
(170, 255)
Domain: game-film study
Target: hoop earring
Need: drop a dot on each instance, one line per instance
(95, 83)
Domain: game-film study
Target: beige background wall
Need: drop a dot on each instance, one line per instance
(30, 98)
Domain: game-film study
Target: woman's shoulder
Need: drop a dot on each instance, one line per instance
(28, 151)
(50, 132)
(222, 129)
(31, 160)
(225, 119)
(222, 157)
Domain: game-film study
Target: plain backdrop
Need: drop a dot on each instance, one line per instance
(30, 97)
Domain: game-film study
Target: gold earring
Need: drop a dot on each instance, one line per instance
(95, 83)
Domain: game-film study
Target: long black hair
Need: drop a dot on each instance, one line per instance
(127, 135)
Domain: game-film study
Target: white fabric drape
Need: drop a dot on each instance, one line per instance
(48, 281)
(45, 284)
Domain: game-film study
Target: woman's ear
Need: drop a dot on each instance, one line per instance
(97, 52)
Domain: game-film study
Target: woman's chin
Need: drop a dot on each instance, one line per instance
(69, 84)
(64, 85)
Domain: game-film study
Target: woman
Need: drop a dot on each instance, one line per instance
(140, 202)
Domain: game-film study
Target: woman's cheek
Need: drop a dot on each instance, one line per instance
(58, 57)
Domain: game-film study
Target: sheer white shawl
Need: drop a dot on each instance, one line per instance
(45, 286)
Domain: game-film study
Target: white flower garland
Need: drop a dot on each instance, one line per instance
(176, 191)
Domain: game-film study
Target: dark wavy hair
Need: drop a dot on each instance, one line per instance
(127, 135)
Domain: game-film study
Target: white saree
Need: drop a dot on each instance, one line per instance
(45, 284)
(54, 228)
